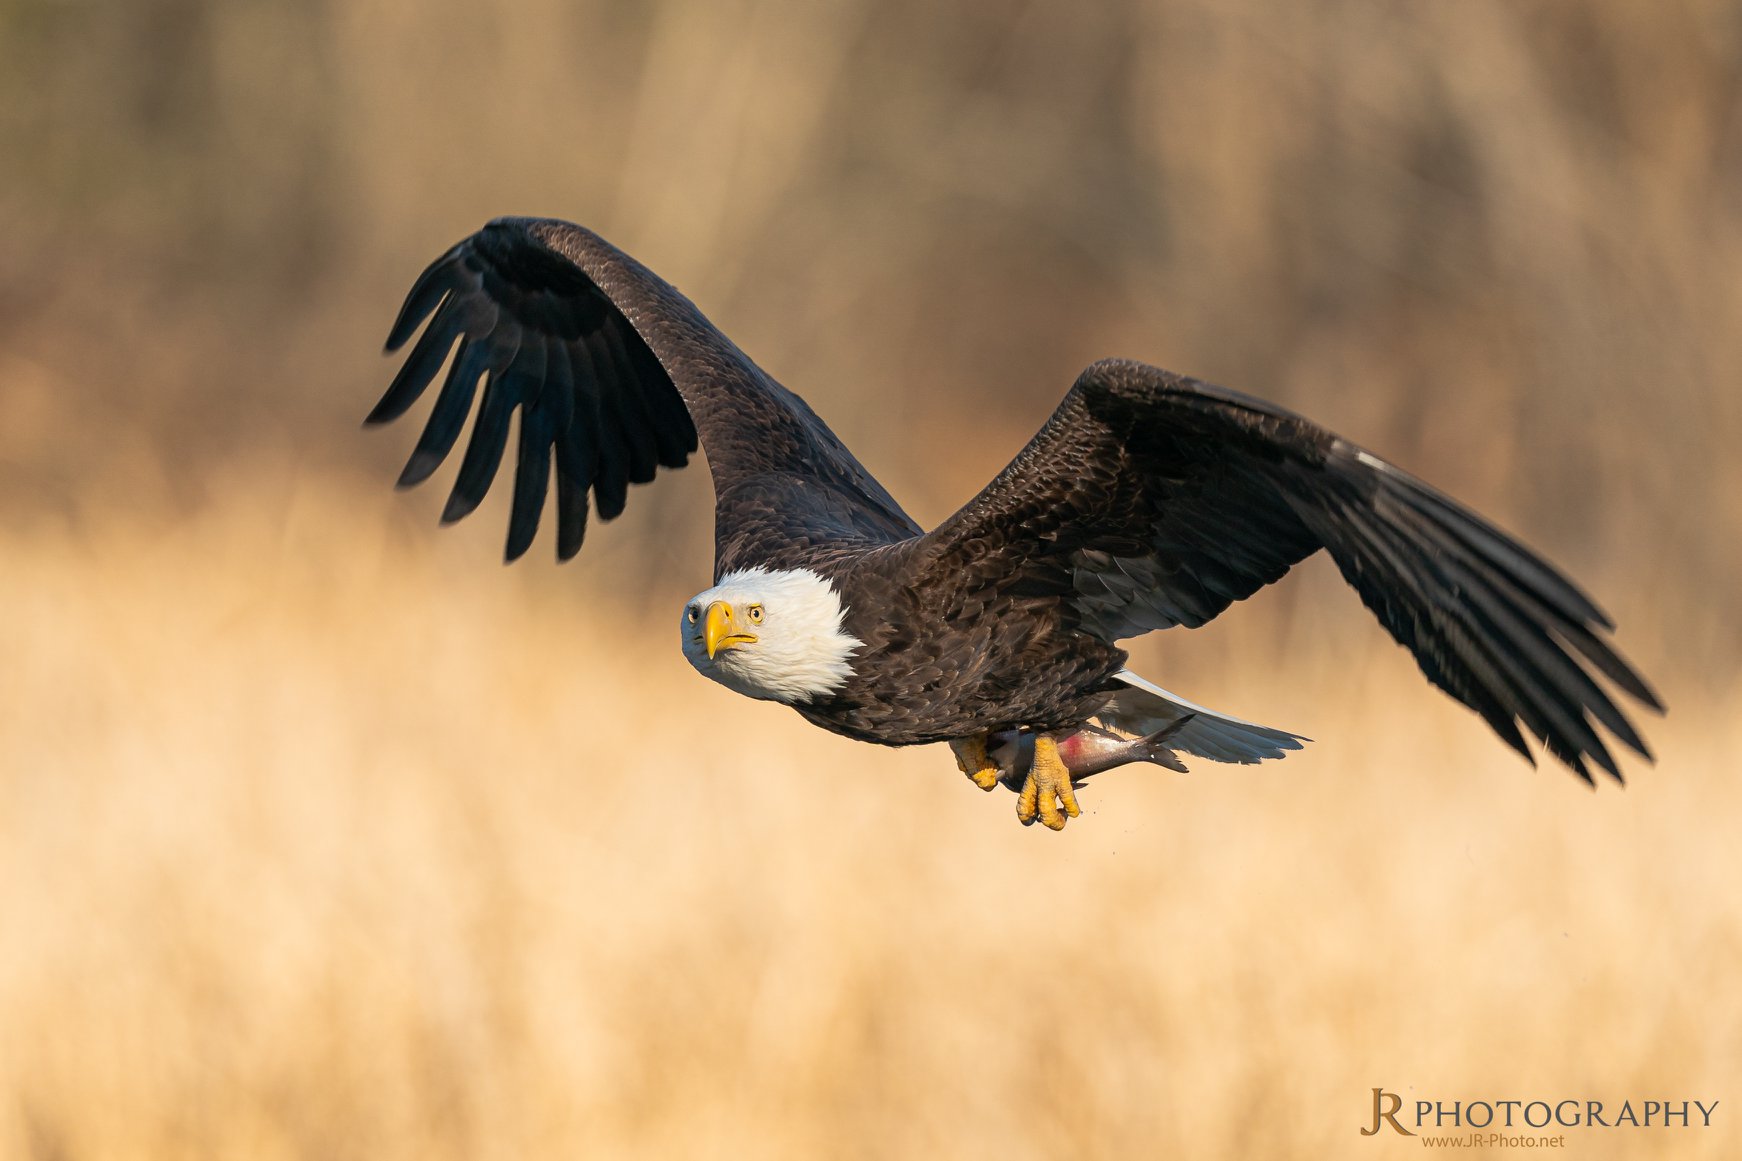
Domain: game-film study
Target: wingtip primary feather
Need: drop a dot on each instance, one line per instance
(425, 295)
(411, 316)
(459, 506)
(418, 468)
(1643, 692)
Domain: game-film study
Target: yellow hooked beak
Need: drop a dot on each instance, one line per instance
(722, 629)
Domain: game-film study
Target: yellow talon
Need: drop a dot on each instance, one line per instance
(971, 759)
(1047, 788)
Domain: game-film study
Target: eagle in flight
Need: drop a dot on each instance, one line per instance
(1148, 500)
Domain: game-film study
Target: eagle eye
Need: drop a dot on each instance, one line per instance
(756, 614)
(690, 614)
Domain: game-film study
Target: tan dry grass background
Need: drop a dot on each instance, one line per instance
(322, 835)
(296, 861)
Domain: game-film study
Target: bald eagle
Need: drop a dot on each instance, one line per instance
(1148, 500)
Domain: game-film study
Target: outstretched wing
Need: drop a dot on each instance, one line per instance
(1150, 499)
(613, 372)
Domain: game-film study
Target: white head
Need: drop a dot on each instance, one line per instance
(769, 634)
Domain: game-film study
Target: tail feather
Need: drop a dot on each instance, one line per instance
(1144, 708)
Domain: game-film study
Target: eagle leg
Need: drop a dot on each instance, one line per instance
(972, 760)
(1048, 787)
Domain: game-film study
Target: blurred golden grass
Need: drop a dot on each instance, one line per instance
(312, 844)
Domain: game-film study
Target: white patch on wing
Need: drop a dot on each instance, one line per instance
(1372, 460)
(801, 651)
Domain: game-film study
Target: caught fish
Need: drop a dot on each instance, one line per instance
(1091, 750)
